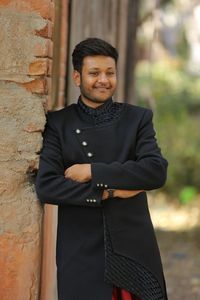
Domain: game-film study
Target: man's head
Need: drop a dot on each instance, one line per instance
(95, 67)
(92, 47)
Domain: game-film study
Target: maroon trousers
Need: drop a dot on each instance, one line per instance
(120, 294)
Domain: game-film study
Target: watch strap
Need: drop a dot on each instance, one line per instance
(110, 193)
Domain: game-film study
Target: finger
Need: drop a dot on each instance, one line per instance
(68, 175)
(66, 171)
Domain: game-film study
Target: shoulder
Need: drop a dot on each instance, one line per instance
(57, 114)
(57, 117)
(136, 111)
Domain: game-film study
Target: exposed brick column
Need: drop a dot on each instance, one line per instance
(63, 53)
(25, 83)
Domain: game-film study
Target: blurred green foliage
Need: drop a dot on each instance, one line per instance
(182, 45)
(187, 194)
(174, 96)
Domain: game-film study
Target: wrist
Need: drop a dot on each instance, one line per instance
(89, 172)
(105, 195)
(111, 193)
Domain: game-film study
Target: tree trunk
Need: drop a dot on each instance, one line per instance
(131, 58)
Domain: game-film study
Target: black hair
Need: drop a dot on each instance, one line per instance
(91, 47)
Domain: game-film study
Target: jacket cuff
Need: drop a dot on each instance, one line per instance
(95, 198)
(98, 177)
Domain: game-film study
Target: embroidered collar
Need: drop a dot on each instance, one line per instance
(95, 112)
(108, 112)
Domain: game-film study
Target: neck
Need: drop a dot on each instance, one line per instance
(92, 104)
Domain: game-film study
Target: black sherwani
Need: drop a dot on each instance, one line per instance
(101, 243)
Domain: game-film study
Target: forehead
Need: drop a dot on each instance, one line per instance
(99, 62)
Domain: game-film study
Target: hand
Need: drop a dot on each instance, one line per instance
(105, 195)
(122, 193)
(79, 172)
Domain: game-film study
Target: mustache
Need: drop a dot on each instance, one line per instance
(102, 86)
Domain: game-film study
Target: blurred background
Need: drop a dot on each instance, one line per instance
(167, 80)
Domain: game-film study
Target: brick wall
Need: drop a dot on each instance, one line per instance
(25, 85)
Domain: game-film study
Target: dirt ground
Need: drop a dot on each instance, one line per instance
(178, 233)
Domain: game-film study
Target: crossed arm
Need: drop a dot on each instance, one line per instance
(77, 185)
(82, 173)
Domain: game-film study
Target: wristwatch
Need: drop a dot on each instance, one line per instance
(110, 193)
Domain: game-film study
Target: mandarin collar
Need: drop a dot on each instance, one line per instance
(102, 109)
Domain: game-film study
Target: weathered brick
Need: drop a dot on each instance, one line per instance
(39, 67)
(50, 66)
(50, 48)
(45, 7)
(46, 31)
(52, 11)
(32, 127)
(6, 2)
(41, 49)
(20, 215)
(37, 86)
(27, 29)
(44, 49)
(19, 263)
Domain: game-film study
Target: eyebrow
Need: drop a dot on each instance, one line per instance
(94, 68)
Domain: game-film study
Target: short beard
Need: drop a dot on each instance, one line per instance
(91, 98)
(94, 100)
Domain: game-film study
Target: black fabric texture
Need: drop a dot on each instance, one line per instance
(123, 154)
(103, 114)
(128, 274)
(121, 271)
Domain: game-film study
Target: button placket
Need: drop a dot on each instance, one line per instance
(84, 143)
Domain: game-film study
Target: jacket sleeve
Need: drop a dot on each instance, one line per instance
(51, 185)
(147, 171)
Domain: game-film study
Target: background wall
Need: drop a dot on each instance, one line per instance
(25, 85)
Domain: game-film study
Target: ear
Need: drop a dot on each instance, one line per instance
(76, 78)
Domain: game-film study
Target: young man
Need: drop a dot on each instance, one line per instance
(98, 159)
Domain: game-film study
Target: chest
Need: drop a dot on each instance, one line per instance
(111, 142)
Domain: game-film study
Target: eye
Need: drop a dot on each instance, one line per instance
(110, 73)
(94, 73)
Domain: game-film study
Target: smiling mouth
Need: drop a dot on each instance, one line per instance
(102, 88)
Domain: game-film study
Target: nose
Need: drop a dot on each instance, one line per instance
(103, 78)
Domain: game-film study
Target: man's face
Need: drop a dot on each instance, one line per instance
(98, 79)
